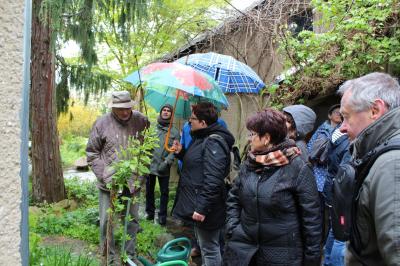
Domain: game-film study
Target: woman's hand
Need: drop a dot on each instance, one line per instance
(176, 146)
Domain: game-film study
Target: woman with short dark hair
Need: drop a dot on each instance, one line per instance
(202, 190)
(273, 208)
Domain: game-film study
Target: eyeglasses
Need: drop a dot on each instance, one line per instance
(193, 118)
(336, 112)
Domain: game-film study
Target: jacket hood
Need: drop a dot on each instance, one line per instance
(215, 129)
(376, 133)
(304, 118)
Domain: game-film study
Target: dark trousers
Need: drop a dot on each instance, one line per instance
(163, 182)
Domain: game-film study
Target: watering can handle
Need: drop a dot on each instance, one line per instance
(168, 149)
(177, 240)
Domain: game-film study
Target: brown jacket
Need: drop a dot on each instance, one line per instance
(108, 135)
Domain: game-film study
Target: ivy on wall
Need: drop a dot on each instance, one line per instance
(360, 36)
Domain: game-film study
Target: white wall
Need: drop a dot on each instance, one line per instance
(11, 83)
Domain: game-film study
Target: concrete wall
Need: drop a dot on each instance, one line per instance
(11, 83)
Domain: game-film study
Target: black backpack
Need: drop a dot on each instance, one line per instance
(234, 163)
(319, 152)
(345, 193)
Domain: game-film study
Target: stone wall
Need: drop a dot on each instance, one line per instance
(11, 83)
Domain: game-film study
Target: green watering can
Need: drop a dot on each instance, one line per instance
(175, 252)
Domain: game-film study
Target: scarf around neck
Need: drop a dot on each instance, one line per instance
(278, 155)
(163, 122)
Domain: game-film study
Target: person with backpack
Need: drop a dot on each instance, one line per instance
(370, 106)
(317, 149)
(202, 196)
(186, 141)
(273, 208)
(338, 156)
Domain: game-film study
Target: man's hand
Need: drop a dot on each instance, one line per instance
(176, 146)
(198, 217)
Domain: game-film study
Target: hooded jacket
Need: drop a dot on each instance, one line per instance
(201, 186)
(378, 207)
(162, 159)
(304, 118)
(107, 137)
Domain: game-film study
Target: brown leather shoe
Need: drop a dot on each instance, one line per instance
(195, 252)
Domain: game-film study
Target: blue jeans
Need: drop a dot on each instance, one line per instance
(209, 242)
(334, 251)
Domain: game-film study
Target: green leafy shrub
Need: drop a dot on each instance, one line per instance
(359, 37)
(79, 224)
(146, 240)
(84, 192)
(72, 148)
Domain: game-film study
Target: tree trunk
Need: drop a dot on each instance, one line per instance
(47, 176)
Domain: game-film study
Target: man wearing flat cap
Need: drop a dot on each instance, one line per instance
(109, 134)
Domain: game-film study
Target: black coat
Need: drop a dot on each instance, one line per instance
(338, 154)
(201, 186)
(274, 215)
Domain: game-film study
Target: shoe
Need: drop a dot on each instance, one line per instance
(162, 221)
(194, 252)
(150, 217)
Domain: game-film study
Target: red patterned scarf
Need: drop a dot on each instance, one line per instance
(279, 155)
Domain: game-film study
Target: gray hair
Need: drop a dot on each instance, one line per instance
(366, 89)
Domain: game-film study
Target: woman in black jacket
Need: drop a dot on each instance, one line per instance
(273, 208)
(202, 191)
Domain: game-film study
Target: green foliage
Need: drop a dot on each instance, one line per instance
(146, 240)
(50, 256)
(79, 224)
(360, 37)
(58, 256)
(134, 159)
(126, 33)
(72, 148)
(133, 162)
(84, 192)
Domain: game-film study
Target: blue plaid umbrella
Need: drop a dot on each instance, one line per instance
(231, 75)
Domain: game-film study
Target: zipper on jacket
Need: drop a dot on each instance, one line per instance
(258, 213)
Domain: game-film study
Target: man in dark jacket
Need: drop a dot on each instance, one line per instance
(160, 166)
(109, 134)
(203, 193)
(370, 108)
(338, 155)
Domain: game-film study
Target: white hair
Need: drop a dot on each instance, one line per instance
(366, 89)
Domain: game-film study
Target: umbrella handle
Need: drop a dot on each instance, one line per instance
(168, 149)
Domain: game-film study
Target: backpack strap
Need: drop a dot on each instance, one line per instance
(362, 167)
(223, 144)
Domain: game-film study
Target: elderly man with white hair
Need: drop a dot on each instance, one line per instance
(370, 108)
